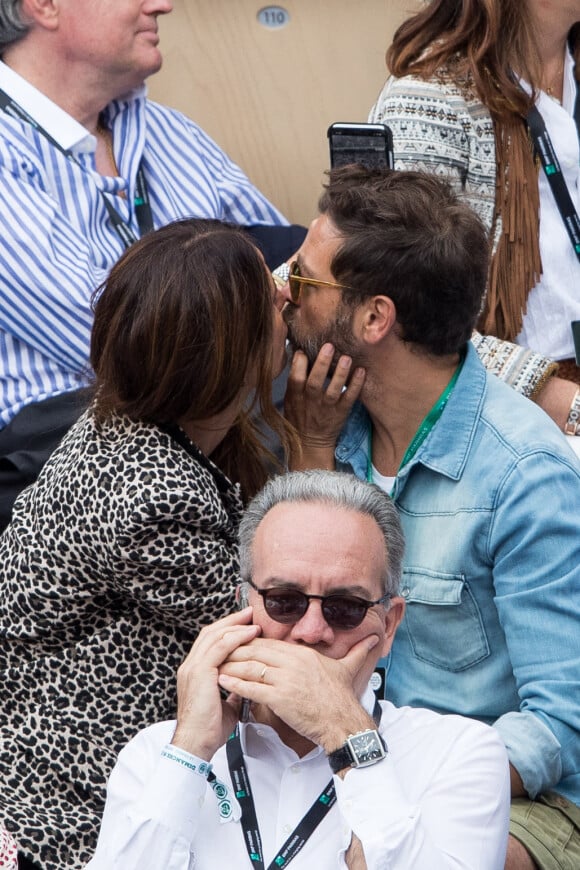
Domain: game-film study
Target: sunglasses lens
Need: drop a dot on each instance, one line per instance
(293, 282)
(343, 613)
(287, 607)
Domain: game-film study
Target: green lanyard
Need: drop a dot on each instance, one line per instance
(424, 427)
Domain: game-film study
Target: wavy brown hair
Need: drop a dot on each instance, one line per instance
(185, 316)
(488, 41)
(487, 38)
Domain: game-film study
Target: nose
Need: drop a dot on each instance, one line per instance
(161, 7)
(280, 276)
(285, 293)
(279, 299)
(313, 627)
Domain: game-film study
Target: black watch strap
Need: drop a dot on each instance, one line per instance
(340, 758)
(346, 755)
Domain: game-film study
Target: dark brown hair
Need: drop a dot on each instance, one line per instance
(407, 236)
(184, 317)
(488, 38)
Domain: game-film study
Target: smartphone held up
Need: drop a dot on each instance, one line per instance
(371, 145)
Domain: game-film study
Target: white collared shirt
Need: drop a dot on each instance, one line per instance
(69, 134)
(440, 799)
(555, 300)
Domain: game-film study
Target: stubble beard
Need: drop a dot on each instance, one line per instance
(338, 332)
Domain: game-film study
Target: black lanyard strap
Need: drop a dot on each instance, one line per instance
(305, 827)
(252, 838)
(142, 203)
(544, 149)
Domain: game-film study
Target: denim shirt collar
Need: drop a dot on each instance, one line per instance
(447, 446)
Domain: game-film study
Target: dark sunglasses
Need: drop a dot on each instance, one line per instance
(296, 280)
(340, 611)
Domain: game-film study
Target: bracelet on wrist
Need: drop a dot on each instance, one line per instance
(174, 753)
(228, 806)
(572, 425)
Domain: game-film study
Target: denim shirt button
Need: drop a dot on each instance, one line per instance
(405, 591)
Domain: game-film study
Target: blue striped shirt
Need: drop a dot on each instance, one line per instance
(57, 242)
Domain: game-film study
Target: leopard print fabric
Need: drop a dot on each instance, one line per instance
(115, 558)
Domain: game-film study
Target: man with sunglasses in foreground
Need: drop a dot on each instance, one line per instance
(322, 775)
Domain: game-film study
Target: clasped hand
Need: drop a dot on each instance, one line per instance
(314, 695)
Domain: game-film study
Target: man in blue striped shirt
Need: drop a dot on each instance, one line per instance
(87, 164)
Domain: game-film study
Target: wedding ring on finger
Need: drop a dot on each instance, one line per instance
(262, 675)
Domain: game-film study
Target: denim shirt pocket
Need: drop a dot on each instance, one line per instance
(442, 620)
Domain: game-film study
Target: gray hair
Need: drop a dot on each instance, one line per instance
(332, 488)
(12, 25)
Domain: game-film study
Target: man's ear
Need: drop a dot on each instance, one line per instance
(378, 317)
(45, 13)
(393, 617)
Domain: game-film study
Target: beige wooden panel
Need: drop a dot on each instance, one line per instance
(268, 96)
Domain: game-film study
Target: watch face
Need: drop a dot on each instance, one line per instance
(366, 748)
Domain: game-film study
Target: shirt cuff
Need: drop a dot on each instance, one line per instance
(532, 749)
(375, 808)
(522, 369)
(174, 796)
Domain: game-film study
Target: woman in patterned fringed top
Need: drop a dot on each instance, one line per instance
(465, 75)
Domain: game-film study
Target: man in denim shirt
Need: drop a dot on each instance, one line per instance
(382, 299)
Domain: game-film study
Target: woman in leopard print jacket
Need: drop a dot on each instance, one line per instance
(127, 543)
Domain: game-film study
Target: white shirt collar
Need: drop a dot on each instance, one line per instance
(569, 92)
(69, 134)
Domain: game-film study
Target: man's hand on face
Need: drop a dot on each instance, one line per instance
(204, 719)
(317, 409)
(315, 695)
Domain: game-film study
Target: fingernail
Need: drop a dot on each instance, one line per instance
(327, 349)
(345, 362)
(372, 641)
